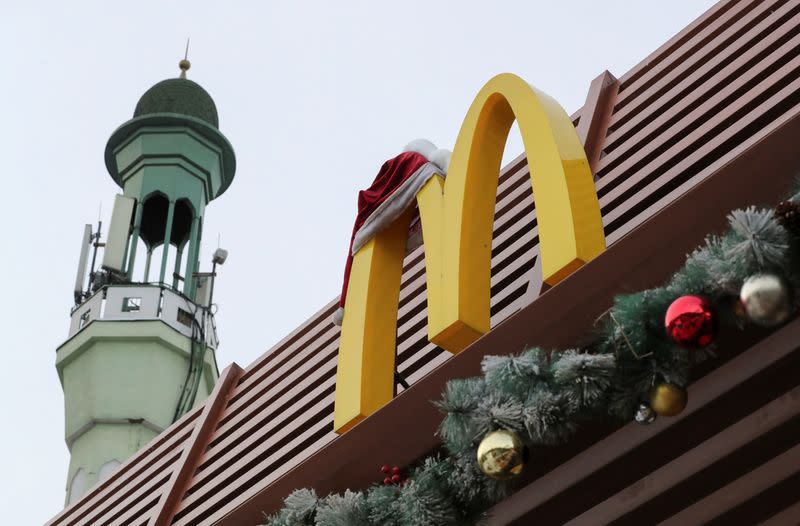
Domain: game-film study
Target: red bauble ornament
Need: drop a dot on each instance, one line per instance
(395, 470)
(690, 321)
(385, 469)
(396, 478)
(387, 481)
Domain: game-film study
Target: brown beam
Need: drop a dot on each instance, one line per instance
(786, 517)
(194, 446)
(742, 489)
(596, 114)
(693, 461)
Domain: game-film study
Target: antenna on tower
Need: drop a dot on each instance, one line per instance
(83, 261)
(185, 64)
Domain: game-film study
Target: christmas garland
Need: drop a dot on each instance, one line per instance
(634, 368)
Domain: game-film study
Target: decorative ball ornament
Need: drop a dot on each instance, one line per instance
(502, 455)
(668, 399)
(645, 415)
(766, 300)
(690, 322)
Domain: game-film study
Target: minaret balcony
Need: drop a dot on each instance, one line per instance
(137, 302)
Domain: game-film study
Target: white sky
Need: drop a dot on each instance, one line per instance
(314, 96)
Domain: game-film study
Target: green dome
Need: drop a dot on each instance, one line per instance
(181, 96)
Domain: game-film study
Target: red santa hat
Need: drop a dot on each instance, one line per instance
(391, 193)
(438, 156)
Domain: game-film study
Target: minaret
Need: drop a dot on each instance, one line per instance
(142, 339)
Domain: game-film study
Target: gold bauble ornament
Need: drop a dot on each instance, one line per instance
(502, 455)
(668, 399)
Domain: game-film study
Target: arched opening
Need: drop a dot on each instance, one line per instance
(154, 219)
(107, 469)
(164, 224)
(181, 233)
(77, 487)
(181, 223)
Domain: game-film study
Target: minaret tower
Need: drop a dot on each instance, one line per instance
(142, 340)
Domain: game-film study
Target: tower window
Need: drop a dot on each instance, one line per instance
(185, 317)
(131, 304)
(84, 319)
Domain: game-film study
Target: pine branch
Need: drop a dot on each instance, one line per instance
(544, 396)
(583, 378)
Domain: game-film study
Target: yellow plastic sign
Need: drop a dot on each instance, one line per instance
(457, 215)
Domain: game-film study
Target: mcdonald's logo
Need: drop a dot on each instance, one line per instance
(457, 214)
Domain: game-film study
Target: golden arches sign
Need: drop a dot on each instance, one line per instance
(457, 215)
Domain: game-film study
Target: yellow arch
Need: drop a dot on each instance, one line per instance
(457, 215)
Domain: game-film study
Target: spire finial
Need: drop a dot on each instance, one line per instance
(185, 64)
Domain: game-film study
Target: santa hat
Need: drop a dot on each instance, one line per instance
(401, 197)
(438, 156)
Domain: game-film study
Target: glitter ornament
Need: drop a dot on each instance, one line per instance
(502, 455)
(668, 399)
(690, 321)
(766, 300)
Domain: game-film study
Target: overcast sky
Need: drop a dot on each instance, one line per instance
(314, 96)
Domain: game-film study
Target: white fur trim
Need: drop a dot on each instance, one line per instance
(394, 206)
(441, 158)
(338, 317)
(424, 147)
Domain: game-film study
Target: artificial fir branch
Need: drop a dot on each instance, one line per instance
(787, 213)
(381, 502)
(515, 375)
(548, 418)
(583, 378)
(460, 403)
(348, 509)
(426, 500)
(544, 396)
(299, 509)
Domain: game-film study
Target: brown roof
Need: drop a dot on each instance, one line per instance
(706, 123)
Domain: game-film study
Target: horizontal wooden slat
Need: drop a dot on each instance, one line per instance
(735, 25)
(785, 517)
(707, 153)
(137, 490)
(143, 507)
(704, 138)
(196, 505)
(681, 44)
(689, 104)
(687, 465)
(764, 476)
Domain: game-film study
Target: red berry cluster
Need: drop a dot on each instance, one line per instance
(393, 475)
